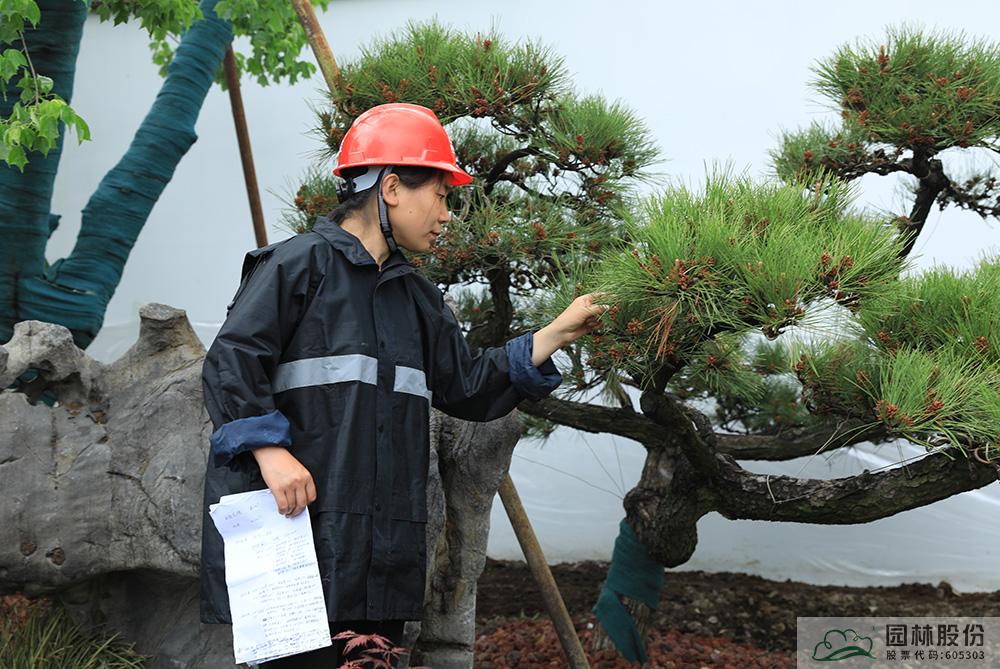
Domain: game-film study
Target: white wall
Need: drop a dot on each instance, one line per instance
(715, 81)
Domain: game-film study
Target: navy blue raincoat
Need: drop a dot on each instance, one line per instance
(340, 361)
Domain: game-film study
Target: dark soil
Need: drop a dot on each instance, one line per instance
(705, 619)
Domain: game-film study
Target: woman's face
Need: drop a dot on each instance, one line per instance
(416, 214)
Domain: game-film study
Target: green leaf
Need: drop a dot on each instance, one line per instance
(11, 60)
(44, 84)
(48, 126)
(16, 157)
(82, 129)
(32, 13)
(12, 136)
(27, 135)
(44, 143)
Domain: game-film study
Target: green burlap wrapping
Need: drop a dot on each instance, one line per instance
(75, 291)
(25, 198)
(633, 574)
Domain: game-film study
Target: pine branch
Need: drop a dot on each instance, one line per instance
(965, 197)
(846, 501)
(930, 173)
(501, 165)
(681, 432)
(875, 162)
(796, 442)
(596, 419)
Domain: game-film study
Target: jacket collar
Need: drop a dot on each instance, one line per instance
(351, 246)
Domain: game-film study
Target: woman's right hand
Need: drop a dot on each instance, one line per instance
(287, 479)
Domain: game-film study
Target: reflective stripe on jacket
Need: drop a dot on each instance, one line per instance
(340, 361)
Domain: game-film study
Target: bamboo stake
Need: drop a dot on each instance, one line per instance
(508, 493)
(314, 33)
(543, 575)
(246, 155)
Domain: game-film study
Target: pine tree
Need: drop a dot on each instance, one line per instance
(551, 167)
(711, 283)
(902, 104)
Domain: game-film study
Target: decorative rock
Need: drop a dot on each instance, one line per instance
(42, 346)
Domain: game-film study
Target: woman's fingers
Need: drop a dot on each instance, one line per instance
(289, 481)
(280, 499)
(300, 500)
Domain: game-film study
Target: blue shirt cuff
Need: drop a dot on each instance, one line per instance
(244, 434)
(532, 382)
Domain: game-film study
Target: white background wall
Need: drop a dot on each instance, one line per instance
(714, 80)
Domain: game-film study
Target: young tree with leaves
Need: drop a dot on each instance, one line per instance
(39, 41)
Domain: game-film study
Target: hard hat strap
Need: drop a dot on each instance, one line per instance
(383, 212)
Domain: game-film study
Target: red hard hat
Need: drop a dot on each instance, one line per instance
(399, 134)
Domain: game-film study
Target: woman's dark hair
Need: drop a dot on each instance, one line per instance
(411, 177)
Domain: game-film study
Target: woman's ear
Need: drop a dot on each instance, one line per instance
(390, 189)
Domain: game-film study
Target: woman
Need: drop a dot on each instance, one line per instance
(321, 380)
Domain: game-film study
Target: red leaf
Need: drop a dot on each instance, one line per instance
(362, 640)
(348, 634)
(351, 664)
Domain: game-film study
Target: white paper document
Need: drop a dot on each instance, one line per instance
(275, 593)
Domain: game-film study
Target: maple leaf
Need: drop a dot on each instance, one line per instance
(351, 664)
(347, 634)
(361, 640)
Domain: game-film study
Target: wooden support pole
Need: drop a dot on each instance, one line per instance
(543, 575)
(314, 34)
(246, 155)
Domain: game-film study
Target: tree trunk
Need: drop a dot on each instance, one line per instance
(664, 509)
(687, 476)
(75, 291)
(25, 198)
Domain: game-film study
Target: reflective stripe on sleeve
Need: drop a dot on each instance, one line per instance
(412, 381)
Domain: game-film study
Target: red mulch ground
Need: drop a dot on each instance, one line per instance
(711, 620)
(531, 644)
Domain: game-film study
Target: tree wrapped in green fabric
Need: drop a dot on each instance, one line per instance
(903, 103)
(920, 365)
(37, 67)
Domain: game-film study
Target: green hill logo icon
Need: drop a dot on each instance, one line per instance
(842, 644)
